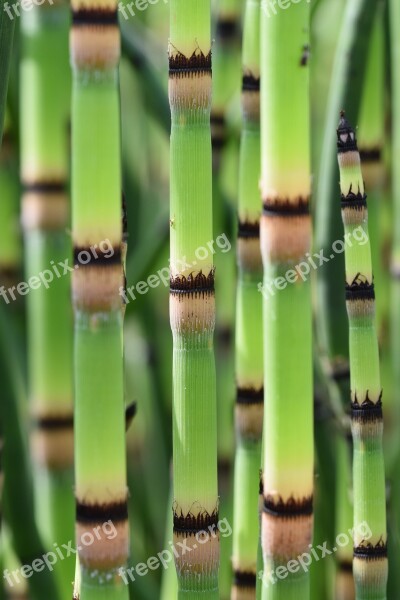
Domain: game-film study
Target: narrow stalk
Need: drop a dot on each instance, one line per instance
(7, 26)
(249, 350)
(192, 303)
(100, 461)
(370, 556)
(44, 110)
(10, 241)
(285, 241)
(345, 89)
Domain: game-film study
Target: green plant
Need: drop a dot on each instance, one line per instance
(370, 553)
(249, 340)
(98, 279)
(285, 232)
(192, 303)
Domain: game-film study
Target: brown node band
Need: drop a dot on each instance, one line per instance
(193, 284)
(181, 65)
(244, 579)
(246, 396)
(368, 551)
(54, 423)
(228, 29)
(101, 260)
(367, 410)
(101, 513)
(94, 16)
(192, 524)
(354, 201)
(250, 83)
(285, 206)
(290, 508)
(360, 289)
(371, 155)
(248, 230)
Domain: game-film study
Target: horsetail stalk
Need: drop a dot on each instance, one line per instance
(7, 27)
(45, 88)
(100, 462)
(370, 557)
(249, 341)
(285, 231)
(192, 304)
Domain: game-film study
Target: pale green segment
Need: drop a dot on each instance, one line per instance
(249, 173)
(246, 525)
(56, 512)
(194, 426)
(190, 26)
(285, 97)
(344, 506)
(369, 482)
(284, 585)
(226, 58)
(205, 591)
(372, 113)
(99, 405)
(288, 388)
(358, 253)
(102, 586)
(395, 59)
(351, 179)
(364, 359)
(251, 37)
(96, 182)
(10, 242)
(249, 334)
(45, 79)
(49, 319)
(191, 191)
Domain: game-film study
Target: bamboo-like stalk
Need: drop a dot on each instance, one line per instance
(249, 341)
(370, 556)
(192, 304)
(345, 89)
(100, 461)
(285, 231)
(44, 109)
(10, 239)
(7, 26)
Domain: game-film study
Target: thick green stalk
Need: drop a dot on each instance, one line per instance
(44, 110)
(249, 341)
(100, 461)
(370, 554)
(285, 242)
(192, 303)
(7, 26)
(394, 20)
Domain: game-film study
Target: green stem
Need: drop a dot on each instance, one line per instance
(249, 342)
(192, 303)
(287, 520)
(100, 461)
(370, 552)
